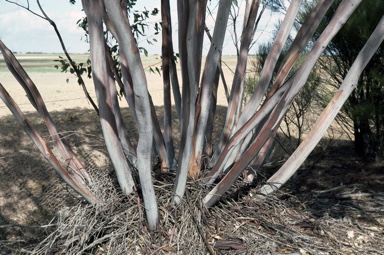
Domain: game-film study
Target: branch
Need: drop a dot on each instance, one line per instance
(27, 226)
(37, 101)
(72, 63)
(27, 8)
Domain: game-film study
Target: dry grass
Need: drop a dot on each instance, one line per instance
(246, 226)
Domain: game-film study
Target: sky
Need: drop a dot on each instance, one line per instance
(24, 32)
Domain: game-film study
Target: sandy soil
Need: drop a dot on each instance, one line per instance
(59, 94)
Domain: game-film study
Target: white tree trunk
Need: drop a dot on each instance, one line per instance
(328, 115)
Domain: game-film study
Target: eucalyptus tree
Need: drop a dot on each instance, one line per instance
(247, 132)
(365, 106)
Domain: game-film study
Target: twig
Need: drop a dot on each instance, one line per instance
(328, 190)
(26, 8)
(71, 62)
(98, 241)
(358, 195)
(27, 226)
(199, 229)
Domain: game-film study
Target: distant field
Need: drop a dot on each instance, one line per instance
(44, 63)
(61, 91)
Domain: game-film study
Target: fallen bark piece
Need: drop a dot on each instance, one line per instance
(230, 244)
(358, 195)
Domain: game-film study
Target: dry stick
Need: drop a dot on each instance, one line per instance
(199, 229)
(358, 195)
(44, 149)
(27, 226)
(98, 241)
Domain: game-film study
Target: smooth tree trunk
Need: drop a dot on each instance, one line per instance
(129, 49)
(237, 83)
(191, 29)
(166, 66)
(94, 11)
(293, 86)
(328, 115)
(126, 144)
(300, 41)
(208, 82)
(73, 163)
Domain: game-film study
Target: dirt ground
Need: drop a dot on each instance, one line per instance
(334, 205)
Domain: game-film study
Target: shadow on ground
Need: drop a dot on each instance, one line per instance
(30, 190)
(31, 193)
